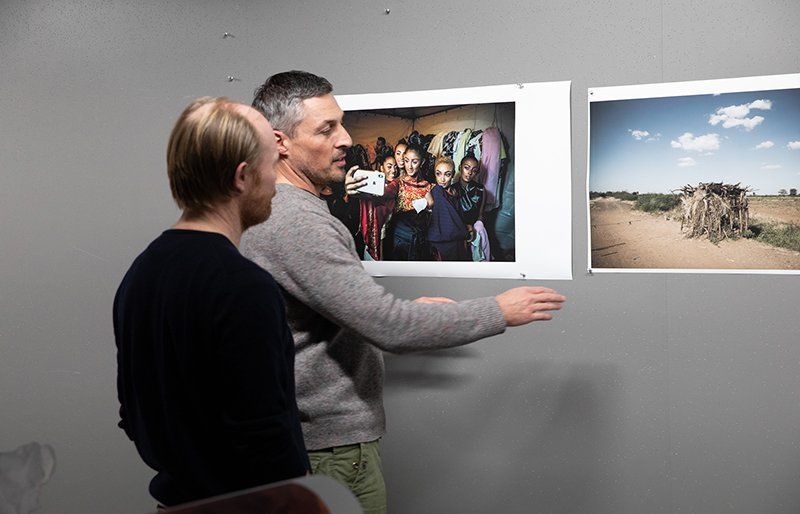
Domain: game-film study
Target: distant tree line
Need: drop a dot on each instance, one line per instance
(649, 202)
(622, 195)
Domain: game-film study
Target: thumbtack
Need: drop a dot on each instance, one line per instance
(231, 78)
(227, 35)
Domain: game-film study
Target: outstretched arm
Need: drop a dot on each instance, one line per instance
(323, 272)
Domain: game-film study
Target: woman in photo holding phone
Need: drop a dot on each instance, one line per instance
(375, 211)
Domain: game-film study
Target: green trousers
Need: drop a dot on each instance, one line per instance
(359, 468)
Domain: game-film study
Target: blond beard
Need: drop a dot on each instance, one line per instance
(256, 208)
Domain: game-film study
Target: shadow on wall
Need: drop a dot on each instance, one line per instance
(23, 472)
(530, 436)
(428, 370)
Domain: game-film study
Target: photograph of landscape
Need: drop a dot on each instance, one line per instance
(696, 182)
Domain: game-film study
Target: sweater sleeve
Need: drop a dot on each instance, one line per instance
(312, 256)
(255, 376)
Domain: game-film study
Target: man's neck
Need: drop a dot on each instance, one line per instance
(288, 175)
(224, 220)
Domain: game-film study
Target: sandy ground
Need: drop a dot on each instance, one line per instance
(626, 238)
(786, 209)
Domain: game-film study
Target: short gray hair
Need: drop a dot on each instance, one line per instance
(279, 98)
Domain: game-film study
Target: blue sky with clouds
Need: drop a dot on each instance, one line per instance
(654, 145)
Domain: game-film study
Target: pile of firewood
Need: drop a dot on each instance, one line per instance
(714, 209)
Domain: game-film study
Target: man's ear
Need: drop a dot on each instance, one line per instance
(283, 142)
(240, 177)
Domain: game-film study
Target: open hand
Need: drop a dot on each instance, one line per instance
(523, 305)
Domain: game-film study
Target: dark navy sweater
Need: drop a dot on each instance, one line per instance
(206, 369)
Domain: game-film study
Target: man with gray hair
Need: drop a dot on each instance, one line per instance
(205, 358)
(341, 318)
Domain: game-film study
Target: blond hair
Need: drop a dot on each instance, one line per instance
(443, 159)
(207, 144)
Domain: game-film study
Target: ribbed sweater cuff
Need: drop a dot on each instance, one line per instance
(490, 317)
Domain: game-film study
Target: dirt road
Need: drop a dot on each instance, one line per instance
(626, 238)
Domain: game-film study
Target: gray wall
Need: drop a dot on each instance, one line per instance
(649, 393)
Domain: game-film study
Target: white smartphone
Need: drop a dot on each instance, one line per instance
(376, 182)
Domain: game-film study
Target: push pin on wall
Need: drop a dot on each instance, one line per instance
(231, 78)
(522, 275)
(227, 35)
(387, 11)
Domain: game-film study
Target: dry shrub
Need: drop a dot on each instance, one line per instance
(714, 210)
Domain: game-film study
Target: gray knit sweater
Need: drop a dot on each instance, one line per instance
(342, 319)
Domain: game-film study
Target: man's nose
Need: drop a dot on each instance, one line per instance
(344, 139)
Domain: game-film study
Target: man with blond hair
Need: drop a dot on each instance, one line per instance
(205, 357)
(340, 317)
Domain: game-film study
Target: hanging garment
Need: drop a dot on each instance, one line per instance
(435, 148)
(474, 145)
(504, 223)
(449, 143)
(480, 245)
(460, 151)
(421, 140)
(490, 166)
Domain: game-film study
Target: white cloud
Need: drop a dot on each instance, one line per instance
(764, 105)
(705, 143)
(685, 162)
(771, 167)
(793, 145)
(736, 115)
(639, 134)
(734, 111)
(764, 145)
(747, 123)
(729, 122)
